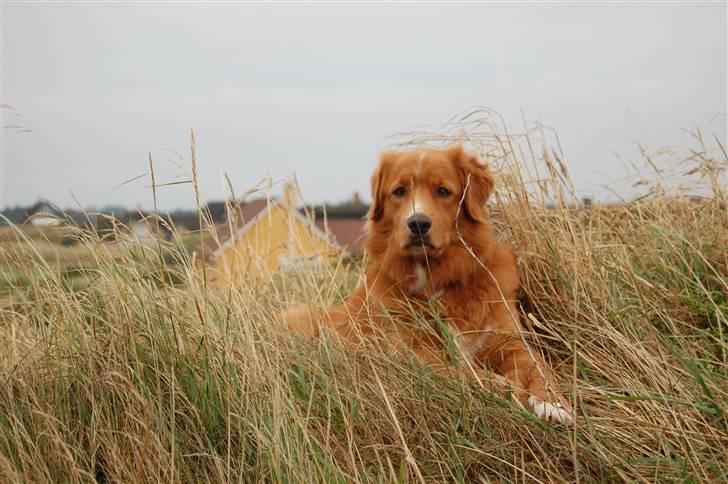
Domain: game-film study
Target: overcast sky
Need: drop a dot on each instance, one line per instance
(317, 88)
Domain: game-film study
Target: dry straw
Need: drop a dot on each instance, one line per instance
(120, 362)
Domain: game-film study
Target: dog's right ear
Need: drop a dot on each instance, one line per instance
(376, 211)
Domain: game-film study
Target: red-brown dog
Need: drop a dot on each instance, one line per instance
(431, 245)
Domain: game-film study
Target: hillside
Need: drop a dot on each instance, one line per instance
(141, 371)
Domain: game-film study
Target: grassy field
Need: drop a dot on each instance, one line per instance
(125, 376)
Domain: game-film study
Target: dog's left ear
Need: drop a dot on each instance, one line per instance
(476, 180)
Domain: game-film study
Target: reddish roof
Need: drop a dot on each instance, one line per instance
(348, 232)
(247, 212)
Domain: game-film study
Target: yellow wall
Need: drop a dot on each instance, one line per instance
(256, 253)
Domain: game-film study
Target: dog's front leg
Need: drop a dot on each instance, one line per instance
(301, 321)
(523, 368)
(531, 380)
(308, 321)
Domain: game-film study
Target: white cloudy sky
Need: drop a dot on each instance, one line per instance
(317, 88)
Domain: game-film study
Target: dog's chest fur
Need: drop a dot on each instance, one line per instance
(468, 340)
(418, 286)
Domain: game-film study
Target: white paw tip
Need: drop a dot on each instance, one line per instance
(550, 411)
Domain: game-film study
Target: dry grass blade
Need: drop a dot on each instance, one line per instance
(121, 361)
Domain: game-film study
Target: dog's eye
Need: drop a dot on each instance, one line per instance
(399, 192)
(443, 192)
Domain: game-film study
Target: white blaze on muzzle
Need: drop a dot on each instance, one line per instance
(416, 207)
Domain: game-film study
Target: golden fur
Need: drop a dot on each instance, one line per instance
(456, 269)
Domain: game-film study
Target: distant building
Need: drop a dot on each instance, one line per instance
(347, 231)
(144, 227)
(269, 236)
(43, 214)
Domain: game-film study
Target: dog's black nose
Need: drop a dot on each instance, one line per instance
(419, 224)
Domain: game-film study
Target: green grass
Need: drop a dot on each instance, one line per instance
(144, 373)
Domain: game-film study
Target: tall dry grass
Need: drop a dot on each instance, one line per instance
(133, 378)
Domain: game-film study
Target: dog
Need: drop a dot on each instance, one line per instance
(436, 274)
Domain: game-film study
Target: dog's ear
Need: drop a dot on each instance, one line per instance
(376, 211)
(475, 180)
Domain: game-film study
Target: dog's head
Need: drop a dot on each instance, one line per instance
(417, 197)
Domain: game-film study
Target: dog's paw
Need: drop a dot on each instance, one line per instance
(298, 320)
(554, 412)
